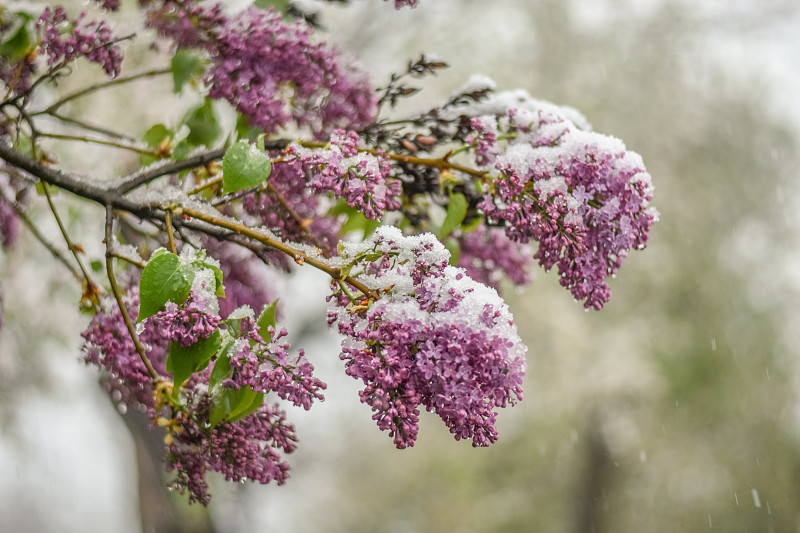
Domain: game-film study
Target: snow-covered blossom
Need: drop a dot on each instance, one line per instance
(435, 338)
(248, 281)
(63, 39)
(581, 195)
(260, 63)
(358, 177)
(187, 323)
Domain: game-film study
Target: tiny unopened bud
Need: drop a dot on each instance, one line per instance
(408, 145)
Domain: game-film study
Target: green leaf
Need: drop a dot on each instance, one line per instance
(181, 151)
(233, 405)
(244, 166)
(281, 6)
(266, 320)
(183, 361)
(18, 43)
(472, 225)
(456, 211)
(244, 130)
(220, 289)
(203, 125)
(40, 188)
(186, 64)
(153, 138)
(222, 368)
(164, 279)
(97, 265)
(455, 250)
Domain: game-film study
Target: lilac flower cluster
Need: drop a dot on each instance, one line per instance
(435, 338)
(108, 345)
(111, 5)
(487, 254)
(9, 221)
(292, 210)
(267, 366)
(260, 63)
(16, 75)
(245, 449)
(186, 324)
(581, 195)
(358, 177)
(63, 40)
(402, 3)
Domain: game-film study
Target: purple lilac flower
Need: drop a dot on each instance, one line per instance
(291, 209)
(187, 323)
(487, 254)
(16, 75)
(9, 225)
(402, 3)
(257, 58)
(63, 40)
(108, 345)
(436, 338)
(111, 5)
(581, 195)
(358, 177)
(267, 366)
(246, 449)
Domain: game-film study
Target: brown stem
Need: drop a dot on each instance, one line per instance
(438, 162)
(118, 295)
(170, 231)
(91, 289)
(298, 256)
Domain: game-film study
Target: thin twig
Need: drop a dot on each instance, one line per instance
(118, 295)
(92, 127)
(53, 70)
(298, 256)
(205, 185)
(91, 290)
(40, 237)
(148, 174)
(170, 231)
(127, 259)
(102, 85)
(438, 162)
(114, 144)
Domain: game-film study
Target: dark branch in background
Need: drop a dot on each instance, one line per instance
(416, 69)
(147, 174)
(212, 225)
(53, 108)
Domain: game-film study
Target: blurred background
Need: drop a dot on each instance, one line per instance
(673, 409)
